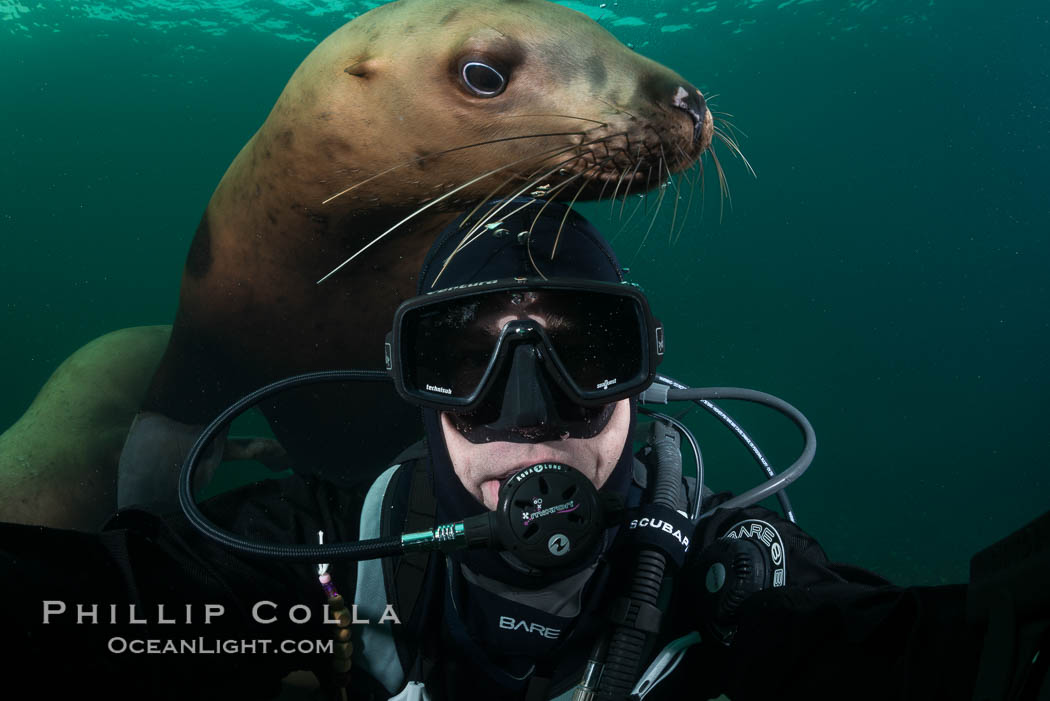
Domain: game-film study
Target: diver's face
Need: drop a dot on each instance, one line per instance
(483, 467)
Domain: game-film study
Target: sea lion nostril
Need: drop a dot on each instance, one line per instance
(689, 100)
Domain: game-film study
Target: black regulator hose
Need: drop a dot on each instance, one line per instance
(628, 639)
(361, 550)
(558, 535)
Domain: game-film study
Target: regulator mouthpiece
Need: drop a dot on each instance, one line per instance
(549, 515)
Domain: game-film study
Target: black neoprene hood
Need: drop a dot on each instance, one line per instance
(558, 243)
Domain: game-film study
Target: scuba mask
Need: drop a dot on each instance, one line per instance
(525, 359)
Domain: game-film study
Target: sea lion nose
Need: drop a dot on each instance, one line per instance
(689, 100)
(669, 89)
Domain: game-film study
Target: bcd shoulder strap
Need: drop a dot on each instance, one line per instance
(405, 575)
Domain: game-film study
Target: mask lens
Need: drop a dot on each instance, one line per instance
(599, 340)
(445, 349)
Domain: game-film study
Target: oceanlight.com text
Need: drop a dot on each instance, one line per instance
(211, 646)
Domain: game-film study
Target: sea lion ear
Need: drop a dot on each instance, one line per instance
(362, 67)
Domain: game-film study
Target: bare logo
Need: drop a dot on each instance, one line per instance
(509, 623)
(764, 533)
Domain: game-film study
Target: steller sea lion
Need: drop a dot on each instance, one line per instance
(58, 462)
(418, 107)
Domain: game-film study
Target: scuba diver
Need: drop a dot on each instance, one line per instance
(524, 549)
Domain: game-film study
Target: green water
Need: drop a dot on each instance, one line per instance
(886, 272)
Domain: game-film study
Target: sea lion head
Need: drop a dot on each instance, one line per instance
(420, 99)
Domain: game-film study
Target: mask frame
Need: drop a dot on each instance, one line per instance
(402, 366)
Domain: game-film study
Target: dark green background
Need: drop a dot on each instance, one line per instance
(886, 272)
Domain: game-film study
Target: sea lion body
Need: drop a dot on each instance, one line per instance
(377, 106)
(58, 462)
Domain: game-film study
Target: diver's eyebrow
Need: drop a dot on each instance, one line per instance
(551, 322)
(556, 322)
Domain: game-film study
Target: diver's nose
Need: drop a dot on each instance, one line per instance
(689, 100)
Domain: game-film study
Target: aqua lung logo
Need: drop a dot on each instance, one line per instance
(542, 467)
(558, 544)
(764, 534)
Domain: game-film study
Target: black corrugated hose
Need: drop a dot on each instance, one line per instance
(627, 642)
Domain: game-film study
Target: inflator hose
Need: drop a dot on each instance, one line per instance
(627, 643)
(752, 447)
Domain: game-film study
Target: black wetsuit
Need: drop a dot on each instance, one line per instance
(832, 632)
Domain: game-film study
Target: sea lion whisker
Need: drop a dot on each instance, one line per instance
(723, 177)
(447, 151)
(474, 234)
(602, 192)
(703, 190)
(477, 230)
(528, 250)
(685, 216)
(656, 212)
(648, 187)
(637, 164)
(534, 182)
(723, 187)
(682, 151)
(733, 127)
(492, 194)
(689, 203)
(564, 116)
(642, 197)
(499, 206)
(557, 236)
(615, 107)
(735, 150)
(502, 205)
(617, 190)
(557, 188)
(430, 204)
(730, 138)
(677, 197)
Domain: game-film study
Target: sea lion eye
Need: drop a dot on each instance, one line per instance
(482, 79)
